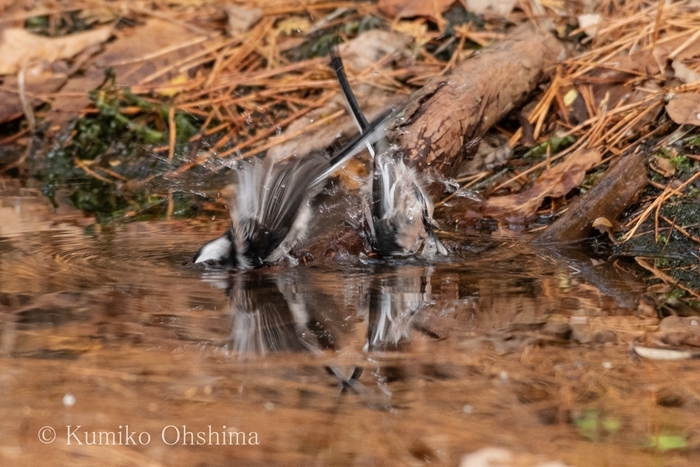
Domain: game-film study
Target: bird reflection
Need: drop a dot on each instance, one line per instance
(287, 313)
(395, 298)
(270, 315)
(277, 314)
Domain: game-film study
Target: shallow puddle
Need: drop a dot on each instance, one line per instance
(116, 351)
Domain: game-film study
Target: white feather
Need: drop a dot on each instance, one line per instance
(215, 250)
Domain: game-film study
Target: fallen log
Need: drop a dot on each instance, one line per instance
(615, 191)
(443, 123)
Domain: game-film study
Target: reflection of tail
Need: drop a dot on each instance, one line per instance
(400, 211)
(393, 303)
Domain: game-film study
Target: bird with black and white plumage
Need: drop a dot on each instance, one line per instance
(399, 212)
(270, 213)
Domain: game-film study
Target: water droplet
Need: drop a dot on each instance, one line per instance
(68, 400)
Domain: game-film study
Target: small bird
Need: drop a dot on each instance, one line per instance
(399, 212)
(270, 213)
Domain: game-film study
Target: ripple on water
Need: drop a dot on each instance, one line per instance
(120, 319)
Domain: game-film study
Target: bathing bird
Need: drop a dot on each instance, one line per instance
(270, 213)
(398, 210)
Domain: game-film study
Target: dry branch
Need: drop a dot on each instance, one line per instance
(607, 199)
(445, 120)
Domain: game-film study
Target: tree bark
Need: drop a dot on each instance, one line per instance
(443, 123)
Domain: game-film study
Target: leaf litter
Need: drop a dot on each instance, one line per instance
(209, 85)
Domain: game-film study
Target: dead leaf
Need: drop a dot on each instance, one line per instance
(676, 49)
(41, 82)
(612, 84)
(684, 108)
(132, 58)
(178, 80)
(499, 7)
(417, 29)
(684, 72)
(411, 8)
(664, 166)
(19, 48)
(99, 14)
(664, 354)
(603, 225)
(293, 25)
(241, 19)
(493, 152)
(570, 96)
(589, 23)
(555, 182)
(368, 48)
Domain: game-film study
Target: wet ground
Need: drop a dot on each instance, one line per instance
(116, 351)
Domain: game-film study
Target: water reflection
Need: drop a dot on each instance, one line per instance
(394, 300)
(472, 349)
(268, 315)
(285, 312)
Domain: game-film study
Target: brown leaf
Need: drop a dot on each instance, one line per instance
(590, 23)
(132, 58)
(555, 182)
(603, 225)
(500, 7)
(684, 109)
(664, 166)
(410, 8)
(612, 82)
(241, 19)
(43, 82)
(678, 49)
(358, 54)
(19, 47)
(684, 73)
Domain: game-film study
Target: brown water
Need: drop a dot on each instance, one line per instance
(112, 335)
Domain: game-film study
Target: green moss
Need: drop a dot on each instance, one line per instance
(104, 162)
(694, 141)
(674, 252)
(592, 426)
(682, 164)
(66, 23)
(667, 442)
(555, 143)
